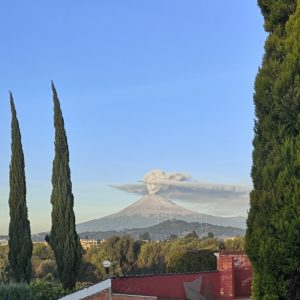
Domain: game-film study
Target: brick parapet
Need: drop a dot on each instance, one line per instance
(226, 269)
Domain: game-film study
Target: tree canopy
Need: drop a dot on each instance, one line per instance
(272, 238)
(20, 245)
(63, 237)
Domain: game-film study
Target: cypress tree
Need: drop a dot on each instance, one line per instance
(273, 225)
(20, 245)
(63, 238)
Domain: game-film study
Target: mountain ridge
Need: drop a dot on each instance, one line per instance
(166, 229)
(153, 209)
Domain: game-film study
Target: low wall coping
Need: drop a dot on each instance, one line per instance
(89, 291)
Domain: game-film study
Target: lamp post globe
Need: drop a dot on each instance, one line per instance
(106, 264)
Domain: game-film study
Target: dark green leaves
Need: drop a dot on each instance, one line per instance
(63, 238)
(273, 234)
(20, 245)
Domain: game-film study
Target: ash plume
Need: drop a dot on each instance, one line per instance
(156, 180)
(217, 198)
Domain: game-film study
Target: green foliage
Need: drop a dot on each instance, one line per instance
(117, 251)
(44, 290)
(152, 257)
(132, 257)
(121, 251)
(276, 12)
(95, 256)
(192, 234)
(235, 244)
(188, 260)
(4, 269)
(43, 262)
(138, 257)
(20, 245)
(272, 238)
(46, 269)
(37, 290)
(63, 238)
(180, 255)
(189, 257)
(88, 272)
(136, 248)
(42, 251)
(173, 237)
(210, 235)
(128, 257)
(212, 244)
(145, 236)
(15, 292)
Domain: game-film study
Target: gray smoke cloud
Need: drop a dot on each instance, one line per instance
(220, 198)
(156, 180)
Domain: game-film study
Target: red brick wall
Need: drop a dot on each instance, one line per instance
(226, 269)
(100, 296)
(235, 275)
(104, 296)
(242, 275)
(164, 286)
(132, 297)
(233, 278)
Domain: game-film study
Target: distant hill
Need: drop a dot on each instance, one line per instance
(151, 210)
(159, 231)
(163, 231)
(150, 213)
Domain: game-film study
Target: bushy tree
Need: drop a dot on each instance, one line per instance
(46, 269)
(145, 236)
(43, 263)
(180, 255)
(273, 233)
(152, 257)
(189, 255)
(42, 251)
(235, 244)
(192, 235)
(20, 245)
(4, 269)
(63, 237)
(120, 250)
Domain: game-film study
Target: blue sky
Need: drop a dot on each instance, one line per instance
(143, 85)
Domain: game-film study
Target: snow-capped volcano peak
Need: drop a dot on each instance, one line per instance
(153, 204)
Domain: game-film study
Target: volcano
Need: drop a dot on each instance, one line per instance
(153, 209)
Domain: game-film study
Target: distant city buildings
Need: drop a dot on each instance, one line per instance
(85, 243)
(44, 243)
(3, 242)
(88, 243)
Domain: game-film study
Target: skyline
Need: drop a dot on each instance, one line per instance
(174, 93)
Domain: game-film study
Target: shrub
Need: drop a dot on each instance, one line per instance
(44, 290)
(37, 290)
(15, 292)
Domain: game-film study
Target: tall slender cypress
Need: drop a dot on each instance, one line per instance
(273, 225)
(20, 244)
(63, 238)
